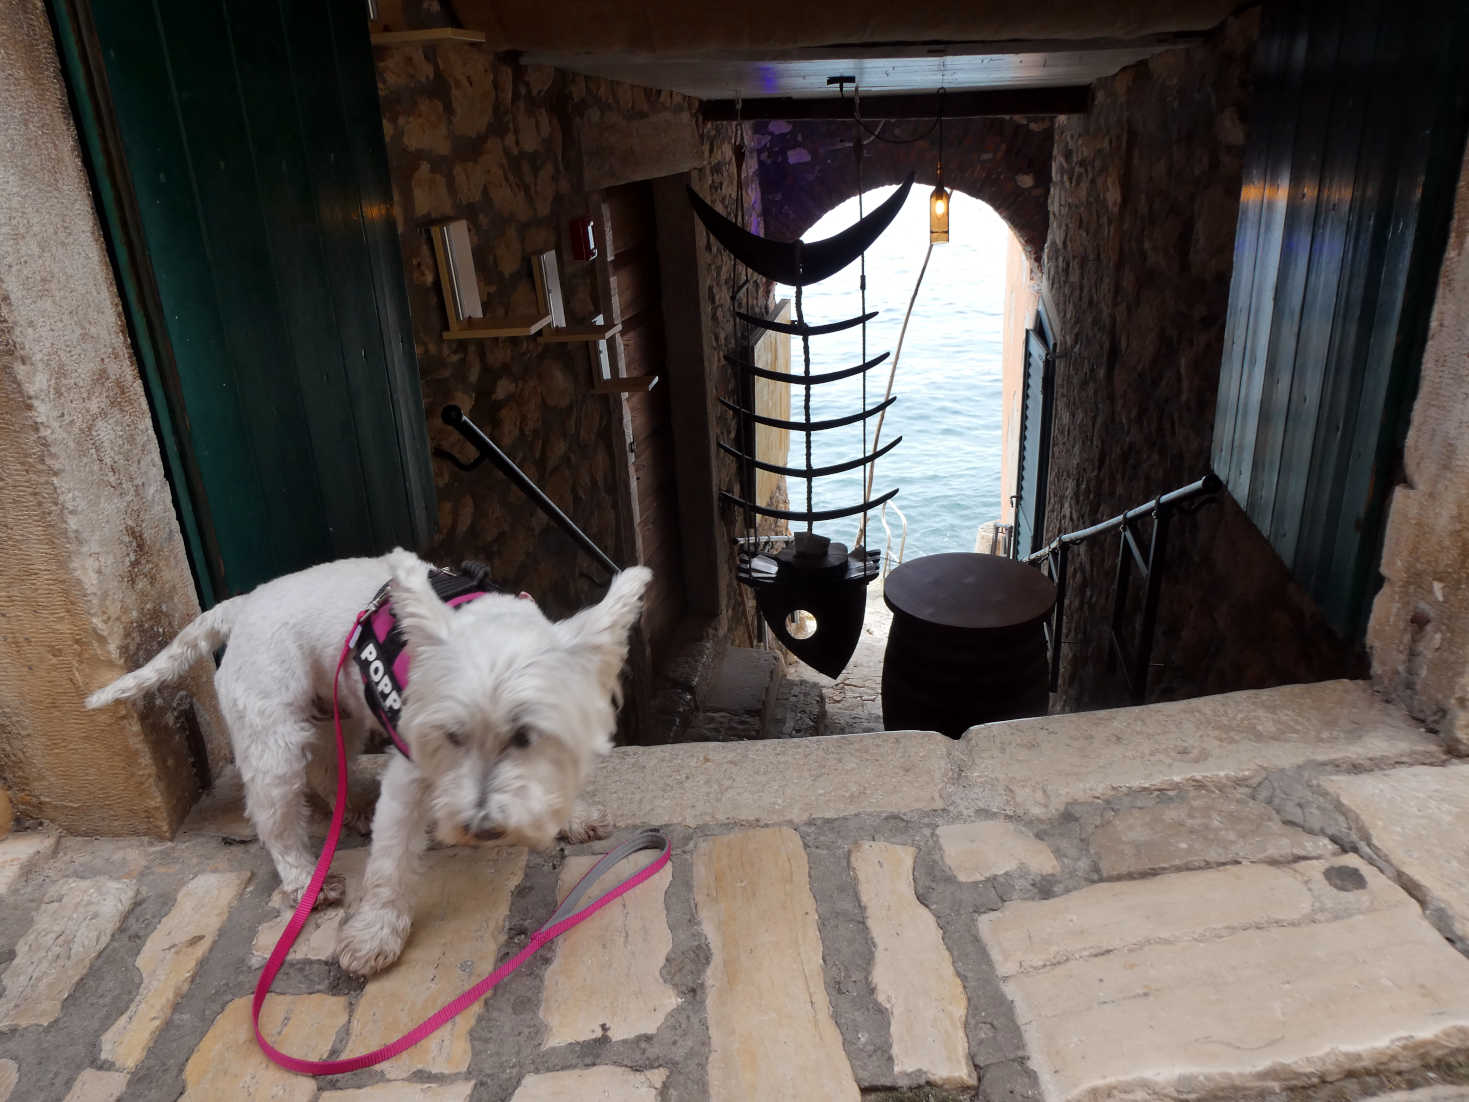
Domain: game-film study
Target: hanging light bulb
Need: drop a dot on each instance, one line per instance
(938, 202)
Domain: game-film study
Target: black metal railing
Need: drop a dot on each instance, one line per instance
(456, 419)
(1052, 560)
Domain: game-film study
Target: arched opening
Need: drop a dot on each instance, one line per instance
(950, 377)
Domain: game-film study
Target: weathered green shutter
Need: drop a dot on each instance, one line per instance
(1035, 446)
(1356, 127)
(250, 148)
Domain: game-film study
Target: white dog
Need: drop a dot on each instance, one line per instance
(504, 714)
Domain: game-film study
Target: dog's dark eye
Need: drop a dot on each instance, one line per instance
(521, 739)
(454, 738)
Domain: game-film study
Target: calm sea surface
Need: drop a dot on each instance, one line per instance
(948, 377)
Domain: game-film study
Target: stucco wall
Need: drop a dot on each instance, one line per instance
(91, 561)
(1144, 195)
(1419, 633)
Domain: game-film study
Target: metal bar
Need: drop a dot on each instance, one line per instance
(801, 329)
(454, 417)
(1058, 616)
(809, 472)
(1066, 100)
(1120, 586)
(806, 426)
(1209, 484)
(805, 380)
(1156, 551)
(1130, 542)
(820, 514)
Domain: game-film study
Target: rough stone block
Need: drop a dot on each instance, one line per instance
(74, 924)
(604, 1084)
(168, 961)
(228, 1064)
(1419, 820)
(20, 851)
(1283, 991)
(606, 976)
(912, 973)
(978, 851)
(774, 781)
(771, 1037)
(1033, 768)
(1197, 832)
(800, 711)
(743, 683)
(458, 925)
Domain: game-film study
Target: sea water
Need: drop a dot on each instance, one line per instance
(948, 413)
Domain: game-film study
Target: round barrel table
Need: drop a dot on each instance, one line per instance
(967, 643)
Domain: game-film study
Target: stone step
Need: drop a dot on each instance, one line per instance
(740, 700)
(1029, 768)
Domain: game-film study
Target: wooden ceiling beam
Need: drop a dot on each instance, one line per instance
(1073, 100)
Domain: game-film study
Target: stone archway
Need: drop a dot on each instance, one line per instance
(807, 168)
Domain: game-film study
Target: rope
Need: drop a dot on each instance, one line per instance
(877, 431)
(861, 282)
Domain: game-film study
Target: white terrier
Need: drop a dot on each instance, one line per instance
(504, 715)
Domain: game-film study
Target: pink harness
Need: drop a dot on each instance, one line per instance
(564, 918)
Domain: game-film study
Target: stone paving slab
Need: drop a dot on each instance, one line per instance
(978, 851)
(771, 1033)
(20, 851)
(912, 971)
(93, 1085)
(1033, 768)
(599, 1084)
(1419, 820)
(606, 977)
(75, 922)
(1172, 1004)
(1201, 830)
(227, 1063)
(458, 927)
(772, 782)
(9, 1074)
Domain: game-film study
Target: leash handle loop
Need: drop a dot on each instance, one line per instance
(564, 918)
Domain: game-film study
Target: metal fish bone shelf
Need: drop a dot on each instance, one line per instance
(812, 574)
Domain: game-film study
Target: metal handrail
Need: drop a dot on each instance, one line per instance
(1053, 558)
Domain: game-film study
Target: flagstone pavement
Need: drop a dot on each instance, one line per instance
(1246, 897)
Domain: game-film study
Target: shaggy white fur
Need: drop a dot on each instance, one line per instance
(505, 713)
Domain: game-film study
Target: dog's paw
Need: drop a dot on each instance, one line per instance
(333, 891)
(371, 939)
(588, 824)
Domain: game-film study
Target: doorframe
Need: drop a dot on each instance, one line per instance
(117, 210)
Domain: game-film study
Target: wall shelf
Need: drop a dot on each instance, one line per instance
(431, 36)
(511, 327)
(568, 334)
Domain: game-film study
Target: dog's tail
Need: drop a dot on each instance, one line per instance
(201, 637)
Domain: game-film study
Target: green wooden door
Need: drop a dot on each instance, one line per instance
(251, 179)
(1035, 443)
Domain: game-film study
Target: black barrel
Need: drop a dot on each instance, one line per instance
(967, 643)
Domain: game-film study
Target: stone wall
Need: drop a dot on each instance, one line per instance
(1419, 634)
(91, 560)
(807, 168)
(516, 150)
(1143, 200)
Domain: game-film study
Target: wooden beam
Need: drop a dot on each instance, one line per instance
(568, 334)
(1073, 100)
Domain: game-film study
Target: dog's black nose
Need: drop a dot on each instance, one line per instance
(489, 833)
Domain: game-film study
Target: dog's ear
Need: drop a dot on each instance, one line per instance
(601, 632)
(424, 618)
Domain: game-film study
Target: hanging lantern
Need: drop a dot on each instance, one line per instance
(938, 202)
(938, 212)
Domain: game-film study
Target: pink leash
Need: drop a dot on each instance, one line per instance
(565, 917)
